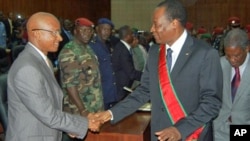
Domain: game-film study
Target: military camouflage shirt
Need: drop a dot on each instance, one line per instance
(79, 68)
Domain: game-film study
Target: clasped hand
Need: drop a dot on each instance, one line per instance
(96, 120)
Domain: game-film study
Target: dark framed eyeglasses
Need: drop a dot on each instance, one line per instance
(54, 33)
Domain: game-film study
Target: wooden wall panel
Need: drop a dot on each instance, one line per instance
(71, 9)
(207, 13)
(210, 13)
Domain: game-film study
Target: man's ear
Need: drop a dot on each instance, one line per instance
(36, 34)
(175, 22)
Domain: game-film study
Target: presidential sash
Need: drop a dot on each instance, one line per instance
(171, 102)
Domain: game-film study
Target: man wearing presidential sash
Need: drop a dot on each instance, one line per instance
(182, 80)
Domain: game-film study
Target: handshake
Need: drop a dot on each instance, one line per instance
(96, 120)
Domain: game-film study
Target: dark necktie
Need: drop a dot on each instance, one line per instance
(235, 82)
(169, 58)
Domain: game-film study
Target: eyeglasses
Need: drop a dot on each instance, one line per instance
(54, 33)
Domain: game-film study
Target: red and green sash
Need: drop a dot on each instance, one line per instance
(172, 104)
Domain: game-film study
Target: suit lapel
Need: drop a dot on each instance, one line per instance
(41, 61)
(184, 55)
(227, 81)
(46, 71)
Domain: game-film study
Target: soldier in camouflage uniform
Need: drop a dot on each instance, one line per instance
(80, 76)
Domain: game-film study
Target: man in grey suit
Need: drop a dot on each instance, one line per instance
(34, 96)
(186, 100)
(235, 105)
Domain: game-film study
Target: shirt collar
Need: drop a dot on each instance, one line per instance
(177, 45)
(43, 56)
(242, 67)
(126, 44)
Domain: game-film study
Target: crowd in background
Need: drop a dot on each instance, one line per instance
(14, 37)
(13, 33)
(214, 37)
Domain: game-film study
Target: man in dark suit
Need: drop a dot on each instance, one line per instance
(185, 97)
(125, 72)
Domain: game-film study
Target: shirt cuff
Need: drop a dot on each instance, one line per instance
(112, 118)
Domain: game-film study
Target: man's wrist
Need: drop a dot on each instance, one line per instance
(83, 112)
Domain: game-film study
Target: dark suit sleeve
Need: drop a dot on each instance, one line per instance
(209, 98)
(128, 67)
(33, 90)
(133, 101)
(122, 60)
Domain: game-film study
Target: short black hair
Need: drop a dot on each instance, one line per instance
(123, 31)
(174, 10)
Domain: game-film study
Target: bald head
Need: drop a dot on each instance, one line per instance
(44, 31)
(41, 20)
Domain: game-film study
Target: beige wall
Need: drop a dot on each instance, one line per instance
(135, 13)
(207, 13)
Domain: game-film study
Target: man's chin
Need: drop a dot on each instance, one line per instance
(54, 49)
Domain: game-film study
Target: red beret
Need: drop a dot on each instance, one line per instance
(247, 28)
(201, 30)
(234, 21)
(83, 22)
(218, 31)
(189, 26)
